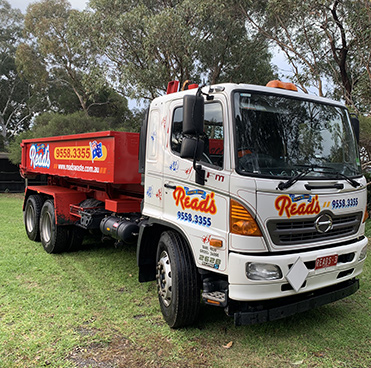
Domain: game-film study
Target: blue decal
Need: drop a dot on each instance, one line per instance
(150, 192)
(200, 192)
(40, 155)
(301, 198)
(153, 136)
(174, 166)
(96, 150)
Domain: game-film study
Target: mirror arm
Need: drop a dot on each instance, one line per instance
(200, 93)
(200, 173)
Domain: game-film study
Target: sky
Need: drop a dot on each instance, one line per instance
(22, 4)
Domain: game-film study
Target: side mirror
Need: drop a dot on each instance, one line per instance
(193, 115)
(355, 124)
(192, 148)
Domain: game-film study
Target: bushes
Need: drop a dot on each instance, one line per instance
(365, 141)
(368, 178)
(52, 124)
(365, 145)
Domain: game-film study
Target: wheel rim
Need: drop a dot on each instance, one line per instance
(46, 226)
(164, 281)
(30, 219)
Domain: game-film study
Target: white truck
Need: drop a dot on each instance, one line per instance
(251, 199)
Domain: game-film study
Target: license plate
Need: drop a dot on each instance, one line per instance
(328, 261)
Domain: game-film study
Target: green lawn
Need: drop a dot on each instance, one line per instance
(87, 309)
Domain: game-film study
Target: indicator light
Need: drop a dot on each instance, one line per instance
(242, 222)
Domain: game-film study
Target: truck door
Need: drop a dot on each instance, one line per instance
(200, 212)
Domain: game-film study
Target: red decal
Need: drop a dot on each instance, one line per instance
(206, 205)
(159, 194)
(284, 205)
(206, 239)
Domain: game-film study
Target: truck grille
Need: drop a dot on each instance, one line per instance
(293, 232)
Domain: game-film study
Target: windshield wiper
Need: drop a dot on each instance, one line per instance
(351, 181)
(309, 168)
(287, 184)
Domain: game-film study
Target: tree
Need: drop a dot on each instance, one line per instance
(359, 20)
(15, 113)
(149, 43)
(116, 113)
(54, 124)
(114, 117)
(365, 142)
(316, 37)
(226, 50)
(61, 51)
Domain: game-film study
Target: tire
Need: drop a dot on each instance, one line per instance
(32, 211)
(75, 238)
(54, 238)
(177, 281)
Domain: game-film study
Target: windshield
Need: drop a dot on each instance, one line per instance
(277, 136)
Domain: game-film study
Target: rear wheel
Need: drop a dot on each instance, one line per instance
(54, 238)
(177, 281)
(32, 212)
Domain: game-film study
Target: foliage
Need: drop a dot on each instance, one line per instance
(358, 21)
(15, 93)
(114, 108)
(51, 93)
(67, 60)
(53, 124)
(226, 50)
(150, 43)
(115, 117)
(365, 151)
(365, 141)
(323, 40)
(61, 50)
(368, 178)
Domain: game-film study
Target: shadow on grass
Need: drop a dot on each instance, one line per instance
(312, 322)
(338, 313)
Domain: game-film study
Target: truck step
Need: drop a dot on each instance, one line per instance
(216, 298)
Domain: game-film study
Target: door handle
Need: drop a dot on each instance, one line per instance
(169, 186)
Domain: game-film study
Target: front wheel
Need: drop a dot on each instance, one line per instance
(177, 281)
(54, 238)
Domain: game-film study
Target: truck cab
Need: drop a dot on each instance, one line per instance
(266, 195)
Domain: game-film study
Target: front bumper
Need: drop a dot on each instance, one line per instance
(243, 289)
(258, 312)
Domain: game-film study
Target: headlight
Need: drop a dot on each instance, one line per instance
(263, 271)
(363, 254)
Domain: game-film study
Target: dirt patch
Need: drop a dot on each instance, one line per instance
(121, 352)
(12, 195)
(118, 353)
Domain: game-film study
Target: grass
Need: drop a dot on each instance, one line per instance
(87, 309)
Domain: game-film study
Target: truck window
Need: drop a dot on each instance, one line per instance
(213, 135)
(276, 136)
